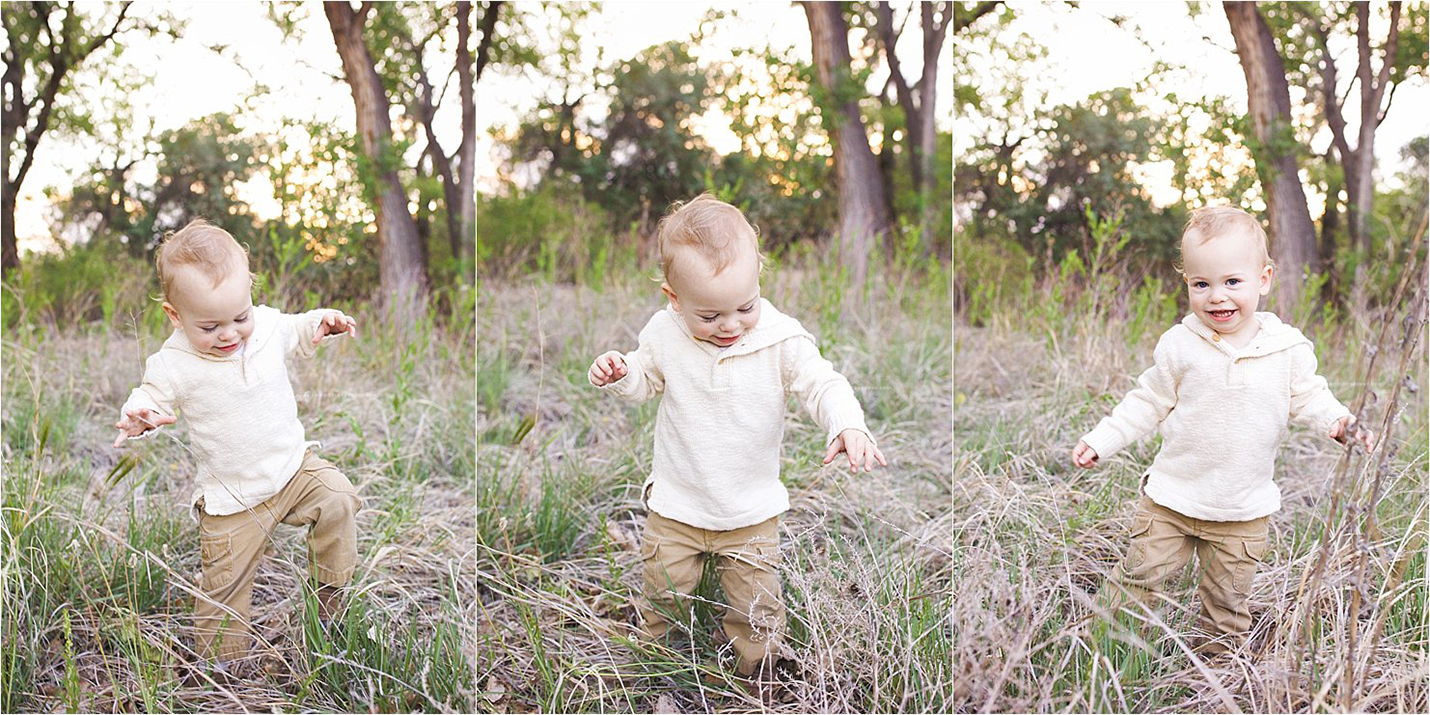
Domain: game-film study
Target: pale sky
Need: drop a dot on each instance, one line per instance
(625, 28)
(191, 81)
(1087, 53)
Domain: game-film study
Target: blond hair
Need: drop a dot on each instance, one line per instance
(1210, 222)
(210, 249)
(714, 229)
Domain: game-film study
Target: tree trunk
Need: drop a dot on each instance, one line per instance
(1358, 164)
(863, 216)
(401, 272)
(64, 52)
(1330, 223)
(1269, 102)
(918, 101)
(467, 152)
(934, 32)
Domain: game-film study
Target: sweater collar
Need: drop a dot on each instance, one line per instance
(774, 327)
(262, 328)
(1272, 337)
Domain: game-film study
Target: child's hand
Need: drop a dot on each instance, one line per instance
(1347, 428)
(137, 422)
(859, 448)
(334, 323)
(608, 367)
(1083, 455)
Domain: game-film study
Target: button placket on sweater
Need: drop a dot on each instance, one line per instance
(1236, 372)
(720, 375)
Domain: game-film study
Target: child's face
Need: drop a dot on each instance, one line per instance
(718, 309)
(1226, 277)
(215, 319)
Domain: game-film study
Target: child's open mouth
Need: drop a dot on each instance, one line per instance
(1221, 316)
(228, 349)
(726, 342)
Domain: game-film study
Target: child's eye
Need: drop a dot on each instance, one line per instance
(1199, 284)
(210, 328)
(746, 310)
(1233, 281)
(244, 319)
(708, 318)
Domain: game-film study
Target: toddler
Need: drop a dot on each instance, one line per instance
(724, 360)
(1221, 388)
(224, 368)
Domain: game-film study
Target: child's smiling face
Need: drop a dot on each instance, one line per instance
(719, 308)
(216, 319)
(1226, 276)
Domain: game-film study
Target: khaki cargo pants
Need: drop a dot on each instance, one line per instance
(673, 557)
(318, 496)
(1163, 541)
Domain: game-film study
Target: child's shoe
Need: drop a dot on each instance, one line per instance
(772, 681)
(331, 603)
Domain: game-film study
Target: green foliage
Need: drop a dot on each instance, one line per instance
(1087, 161)
(53, 41)
(550, 232)
(198, 167)
(644, 154)
(81, 284)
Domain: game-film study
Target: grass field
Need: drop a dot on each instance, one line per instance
(100, 556)
(1339, 605)
(866, 558)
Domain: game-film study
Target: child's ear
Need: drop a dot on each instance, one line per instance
(1266, 274)
(173, 315)
(674, 301)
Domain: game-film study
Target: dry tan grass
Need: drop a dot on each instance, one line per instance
(863, 555)
(1035, 538)
(415, 567)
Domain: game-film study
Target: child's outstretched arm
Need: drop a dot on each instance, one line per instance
(1141, 410)
(830, 400)
(1313, 404)
(150, 406)
(310, 328)
(634, 376)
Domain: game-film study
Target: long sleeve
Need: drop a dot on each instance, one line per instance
(1312, 403)
(299, 329)
(825, 394)
(644, 378)
(155, 391)
(1141, 410)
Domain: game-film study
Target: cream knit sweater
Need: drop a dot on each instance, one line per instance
(721, 418)
(1222, 414)
(242, 416)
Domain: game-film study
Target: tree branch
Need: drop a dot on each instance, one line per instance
(978, 11)
(1367, 87)
(1391, 47)
(1389, 98)
(97, 42)
(1334, 117)
(933, 45)
(488, 28)
(888, 38)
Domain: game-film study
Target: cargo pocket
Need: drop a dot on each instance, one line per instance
(765, 607)
(652, 572)
(216, 561)
(1252, 552)
(334, 480)
(1137, 550)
